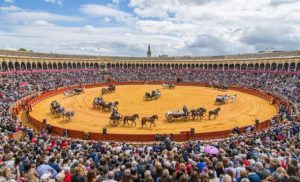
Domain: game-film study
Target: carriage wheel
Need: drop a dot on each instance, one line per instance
(170, 118)
(113, 123)
(186, 118)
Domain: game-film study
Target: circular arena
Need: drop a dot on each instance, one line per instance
(65, 113)
(236, 113)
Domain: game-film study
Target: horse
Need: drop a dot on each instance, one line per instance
(109, 106)
(221, 99)
(97, 102)
(58, 110)
(149, 119)
(78, 91)
(214, 112)
(233, 97)
(130, 118)
(198, 113)
(68, 115)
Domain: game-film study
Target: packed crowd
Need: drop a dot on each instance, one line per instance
(270, 155)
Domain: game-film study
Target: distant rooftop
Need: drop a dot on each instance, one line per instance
(261, 54)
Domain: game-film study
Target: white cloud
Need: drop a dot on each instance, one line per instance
(9, 1)
(5, 9)
(15, 15)
(58, 2)
(106, 19)
(174, 27)
(94, 10)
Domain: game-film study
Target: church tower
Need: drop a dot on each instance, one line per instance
(149, 51)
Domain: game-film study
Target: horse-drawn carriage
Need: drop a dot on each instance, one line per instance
(223, 99)
(177, 115)
(168, 85)
(155, 94)
(58, 110)
(109, 89)
(99, 103)
(75, 91)
(68, 115)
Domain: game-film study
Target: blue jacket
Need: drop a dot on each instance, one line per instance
(253, 177)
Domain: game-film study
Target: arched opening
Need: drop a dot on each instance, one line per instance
(113, 66)
(226, 67)
(292, 66)
(209, 66)
(91, 65)
(10, 66)
(4, 66)
(215, 66)
(237, 66)
(298, 67)
(50, 66)
(33, 66)
(17, 66)
(286, 66)
(256, 66)
(250, 66)
(220, 67)
(100, 65)
(82, 65)
(87, 65)
(23, 66)
(108, 65)
(65, 66)
(201, 66)
(74, 65)
(69, 65)
(205, 66)
(59, 66)
(176, 66)
(39, 66)
(180, 66)
(262, 66)
(279, 67)
(28, 66)
(231, 66)
(268, 66)
(55, 66)
(244, 67)
(44, 65)
(273, 66)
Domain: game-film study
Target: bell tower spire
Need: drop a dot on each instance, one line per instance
(149, 51)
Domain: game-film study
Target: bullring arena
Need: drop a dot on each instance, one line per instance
(255, 105)
(242, 112)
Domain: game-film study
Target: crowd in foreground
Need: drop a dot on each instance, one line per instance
(270, 155)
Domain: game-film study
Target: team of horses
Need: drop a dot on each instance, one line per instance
(75, 91)
(117, 120)
(223, 99)
(99, 103)
(193, 114)
(58, 110)
(109, 89)
(155, 94)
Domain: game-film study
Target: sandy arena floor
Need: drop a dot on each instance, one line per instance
(240, 113)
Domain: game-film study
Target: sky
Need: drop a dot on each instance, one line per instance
(171, 27)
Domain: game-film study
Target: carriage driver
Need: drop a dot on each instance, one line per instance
(115, 113)
(153, 93)
(185, 110)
